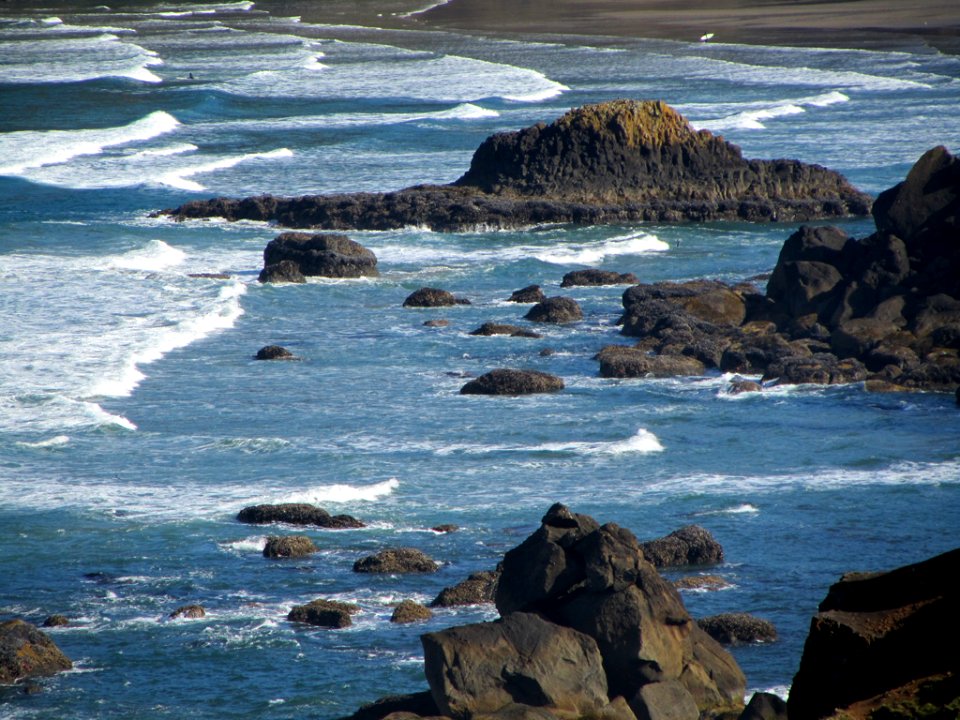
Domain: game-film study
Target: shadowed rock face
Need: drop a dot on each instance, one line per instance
(885, 640)
(621, 161)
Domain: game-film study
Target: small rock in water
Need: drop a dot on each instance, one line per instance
(436, 323)
(512, 382)
(593, 277)
(433, 297)
(409, 611)
(529, 294)
(445, 528)
(396, 560)
(324, 613)
(273, 352)
(555, 310)
(690, 545)
(189, 611)
(56, 621)
(738, 628)
(288, 546)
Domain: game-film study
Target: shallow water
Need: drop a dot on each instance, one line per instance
(134, 422)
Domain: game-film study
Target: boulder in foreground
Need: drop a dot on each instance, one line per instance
(505, 381)
(27, 652)
(884, 645)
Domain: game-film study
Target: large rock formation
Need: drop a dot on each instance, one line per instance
(884, 309)
(620, 161)
(28, 652)
(884, 645)
(588, 629)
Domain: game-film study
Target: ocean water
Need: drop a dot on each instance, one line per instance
(134, 423)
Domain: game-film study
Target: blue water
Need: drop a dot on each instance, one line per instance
(134, 423)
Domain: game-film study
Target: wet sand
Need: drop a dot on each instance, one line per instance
(867, 24)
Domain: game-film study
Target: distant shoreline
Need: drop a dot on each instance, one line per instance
(854, 24)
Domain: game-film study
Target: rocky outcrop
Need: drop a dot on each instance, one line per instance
(690, 545)
(288, 546)
(478, 589)
(273, 352)
(594, 277)
(191, 612)
(738, 628)
(883, 645)
(396, 560)
(529, 294)
(433, 297)
(505, 381)
(409, 611)
(614, 162)
(324, 613)
(296, 514)
(27, 652)
(555, 310)
(619, 361)
(324, 255)
(884, 309)
(491, 328)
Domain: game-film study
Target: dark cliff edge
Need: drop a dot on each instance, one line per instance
(614, 162)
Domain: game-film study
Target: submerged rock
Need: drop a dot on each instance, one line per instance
(27, 652)
(296, 514)
(189, 611)
(56, 620)
(614, 162)
(512, 382)
(491, 328)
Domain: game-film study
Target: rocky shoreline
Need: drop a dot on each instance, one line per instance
(615, 162)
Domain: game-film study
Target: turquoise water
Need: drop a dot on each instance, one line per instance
(134, 423)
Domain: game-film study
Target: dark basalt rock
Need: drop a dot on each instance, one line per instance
(478, 589)
(286, 271)
(27, 652)
(593, 277)
(273, 352)
(529, 294)
(615, 162)
(491, 328)
(56, 621)
(324, 613)
(555, 310)
(738, 628)
(432, 297)
(740, 386)
(324, 255)
(445, 528)
(288, 546)
(690, 545)
(409, 611)
(396, 560)
(885, 641)
(189, 611)
(765, 706)
(419, 704)
(436, 323)
(296, 514)
(512, 382)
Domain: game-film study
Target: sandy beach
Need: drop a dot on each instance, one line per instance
(867, 24)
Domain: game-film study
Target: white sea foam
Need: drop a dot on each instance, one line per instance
(54, 442)
(179, 178)
(641, 442)
(593, 253)
(424, 9)
(342, 493)
(253, 544)
(155, 255)
(176, 149)
(751, 116)
(28, 149)
(743, 509)
(59, 56)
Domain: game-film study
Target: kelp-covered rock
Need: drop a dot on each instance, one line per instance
(396, 560)
(191, 612)
(288, 546)
(324, 613)
(613, 162)
(409, 611)
(594, 276)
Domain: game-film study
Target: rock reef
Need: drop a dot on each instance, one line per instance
(619, 161)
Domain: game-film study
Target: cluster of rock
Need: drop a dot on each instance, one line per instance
(614, 162)
(885, 309)
(588, 627)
